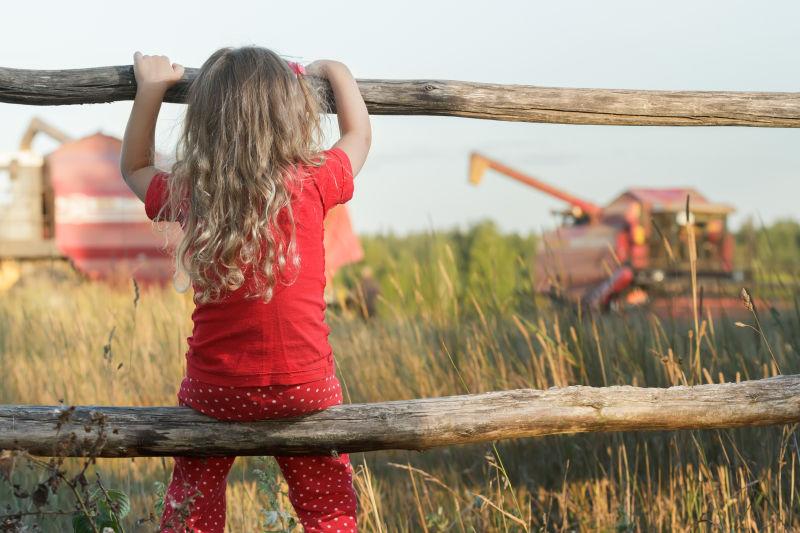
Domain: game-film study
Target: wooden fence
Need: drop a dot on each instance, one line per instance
(424, 423)
(409, 425)
(454, 98)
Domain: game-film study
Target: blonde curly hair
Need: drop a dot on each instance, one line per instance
(250, 123)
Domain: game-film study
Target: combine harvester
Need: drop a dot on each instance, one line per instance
(634, 251)
(72, 205)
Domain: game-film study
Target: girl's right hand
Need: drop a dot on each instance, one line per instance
(155, 71)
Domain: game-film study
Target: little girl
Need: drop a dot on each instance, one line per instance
(250, 188)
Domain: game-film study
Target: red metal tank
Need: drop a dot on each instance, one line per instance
(100, 225)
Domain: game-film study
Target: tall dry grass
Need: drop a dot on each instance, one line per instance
(84, 343)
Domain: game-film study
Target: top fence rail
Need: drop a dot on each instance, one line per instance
(520, 103)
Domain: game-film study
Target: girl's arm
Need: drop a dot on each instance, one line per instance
(154, 75)
(354, 128)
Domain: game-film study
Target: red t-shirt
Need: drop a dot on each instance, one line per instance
(245, 342)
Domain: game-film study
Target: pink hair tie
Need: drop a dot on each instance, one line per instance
(297, 68)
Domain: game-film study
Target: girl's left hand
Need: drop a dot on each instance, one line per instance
(155, 71)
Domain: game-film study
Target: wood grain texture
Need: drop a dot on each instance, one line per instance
(408, 425)
(452, 98)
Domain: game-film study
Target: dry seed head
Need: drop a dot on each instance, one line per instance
(136, 293)
(746, 300)
(688, 211)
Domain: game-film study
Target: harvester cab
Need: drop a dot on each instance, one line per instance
(633, 251)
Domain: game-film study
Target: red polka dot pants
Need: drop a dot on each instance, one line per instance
(320, 487)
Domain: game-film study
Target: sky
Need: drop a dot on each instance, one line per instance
(415, 178)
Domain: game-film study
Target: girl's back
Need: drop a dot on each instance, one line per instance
(251, 188)
(242, 340)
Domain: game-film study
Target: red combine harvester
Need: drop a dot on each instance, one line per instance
(72, 204)
(632, 251)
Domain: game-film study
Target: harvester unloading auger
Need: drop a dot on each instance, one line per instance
(632, 251)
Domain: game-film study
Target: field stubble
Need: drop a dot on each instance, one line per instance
(85, 343)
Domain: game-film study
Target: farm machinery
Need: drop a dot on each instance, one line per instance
(635, 250)
(73, 206)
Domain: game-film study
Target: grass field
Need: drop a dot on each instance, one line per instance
(85, 343)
